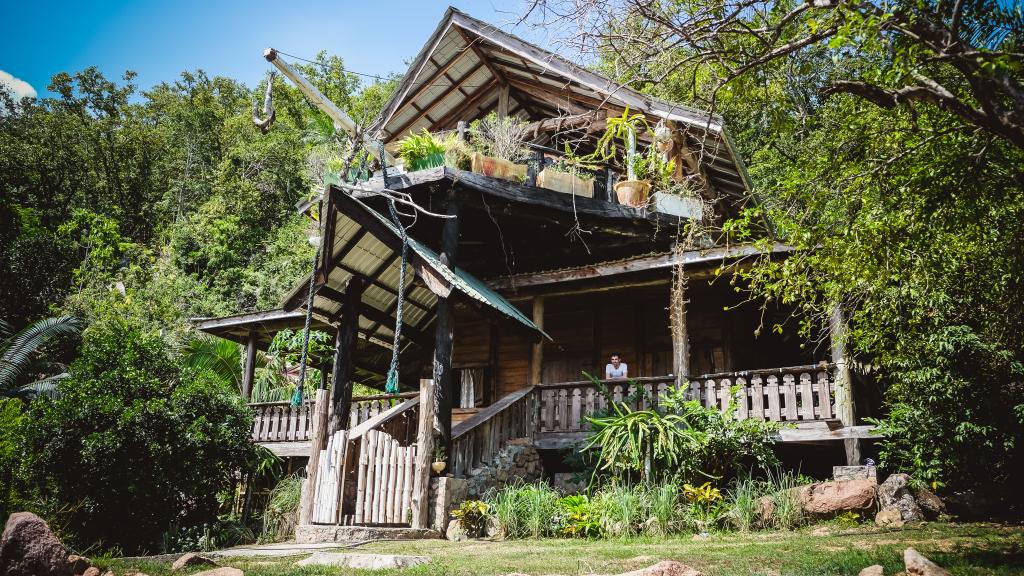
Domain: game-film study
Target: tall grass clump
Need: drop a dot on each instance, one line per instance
(663, 501)
(622, 509)
(282, 512)
(524, 510)
(785, 498)
(744, 503)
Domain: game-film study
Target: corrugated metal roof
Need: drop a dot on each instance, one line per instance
(356, 251)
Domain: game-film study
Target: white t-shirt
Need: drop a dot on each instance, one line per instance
(610, 371)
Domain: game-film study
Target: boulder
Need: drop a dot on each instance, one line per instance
(826, 499)
(78, 564)
(223, 571)
(91, 571)
(766, 509)
(873, 570)
(895, 491)
(455, 532)
(192, 559)
(889, 517)
(918, 565)
(665, 568)
(931, 505)
(28, 547)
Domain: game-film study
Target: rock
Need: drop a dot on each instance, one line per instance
(361, 561)
(854, 473)
(78, 564)
(222, 571)
(895, 491)
(192, 559)
(918, 565)
(111, 573)
(665, 568)
(931, 505)
(889, 517)
(826, 499)
(873, 570)
(493, 528)
(91, 571)
(455, 532)
(766, 509)
(28, 547)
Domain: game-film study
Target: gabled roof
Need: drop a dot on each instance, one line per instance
(457, 74)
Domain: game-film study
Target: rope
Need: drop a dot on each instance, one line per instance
(391, 387)
(299, 389)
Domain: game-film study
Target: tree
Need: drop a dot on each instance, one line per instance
(134, 443)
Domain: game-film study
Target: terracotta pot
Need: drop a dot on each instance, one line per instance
(438, 466)
(565, 182)
(633, 192)
(497, 168)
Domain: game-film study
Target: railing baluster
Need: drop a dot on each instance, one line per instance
(774, 412)
(806, 397)
(741, 398)
(824, 395)
(757, 397)
(789, 388)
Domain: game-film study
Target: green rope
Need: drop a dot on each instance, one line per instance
(391, 387)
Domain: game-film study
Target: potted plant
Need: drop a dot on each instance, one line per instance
(624, 129)
(568, 174)
(649, 170)
(500, 149)
(421, 150)
(440, 460)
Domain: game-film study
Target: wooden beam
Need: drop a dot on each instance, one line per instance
(317, 443)
(639, 264)
(473, 100)
(440, 97)
(537, 350)
(503, 101)
(441, 71)
(424, 456)
(249, 372)
(586, 121)
(344, 352)
(374, 315)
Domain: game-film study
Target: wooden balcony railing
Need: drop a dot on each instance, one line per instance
(366, 407)
(564, 406)
(282, 422)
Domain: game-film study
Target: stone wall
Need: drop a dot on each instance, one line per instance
(518, 461)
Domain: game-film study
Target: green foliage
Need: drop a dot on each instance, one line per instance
(282, 511)
(12, 430)
(653, 167)
(622, 509)
(681, 439)
(706, 505)
(421, 150)
(525, 510)
(18, 352)
(473, 516)
(134, 444)
(577, 517)
(502, 138)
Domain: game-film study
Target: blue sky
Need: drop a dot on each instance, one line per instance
(160, 39)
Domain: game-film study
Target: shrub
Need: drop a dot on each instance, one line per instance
(473, 516)
(705, 506)
(577, 517)
(785, 498)
(134, 444)
(743, 502)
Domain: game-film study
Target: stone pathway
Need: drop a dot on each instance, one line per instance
(277, 550)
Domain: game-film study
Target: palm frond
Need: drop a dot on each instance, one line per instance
(46, 387)
(18, 350)
(222, 357)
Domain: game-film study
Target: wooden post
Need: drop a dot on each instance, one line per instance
(843, 383)
(503, 101)
(249, 371)
(537, 352)
(534, 167)
(424, 456)
(317, 444)
(444, 331)
(461, 128)
(493, 347)
(344, 350)
(610, 178)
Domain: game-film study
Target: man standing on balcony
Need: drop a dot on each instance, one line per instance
(616, 370)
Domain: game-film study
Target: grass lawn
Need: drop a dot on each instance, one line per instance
(963, 549)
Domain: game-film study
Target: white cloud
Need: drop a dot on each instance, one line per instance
(18, 87)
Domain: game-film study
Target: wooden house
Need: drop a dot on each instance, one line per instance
(514, 291)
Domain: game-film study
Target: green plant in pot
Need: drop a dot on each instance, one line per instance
(422, 150)
(499, 147)
(440, 460)
(570, 174)
(624, 129)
